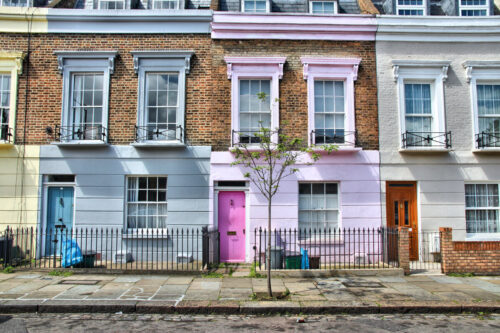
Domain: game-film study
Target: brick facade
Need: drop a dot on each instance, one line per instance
(293, 87)
(469, 257)
(404, 250)
(45, 84)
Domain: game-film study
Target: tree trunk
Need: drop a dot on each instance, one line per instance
(268, 258)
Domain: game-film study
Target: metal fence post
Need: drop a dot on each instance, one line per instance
(205, 246)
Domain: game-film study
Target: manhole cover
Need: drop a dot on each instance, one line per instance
(366, 284)
(80, 282)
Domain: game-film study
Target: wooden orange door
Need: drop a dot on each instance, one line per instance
(401, 203)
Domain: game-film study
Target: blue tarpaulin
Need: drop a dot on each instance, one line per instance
(71, 253)
(305, 259)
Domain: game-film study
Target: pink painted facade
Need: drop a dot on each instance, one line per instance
(357, 176)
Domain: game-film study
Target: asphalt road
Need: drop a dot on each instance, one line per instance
(184, 323)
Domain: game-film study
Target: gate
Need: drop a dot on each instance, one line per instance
(429, 253)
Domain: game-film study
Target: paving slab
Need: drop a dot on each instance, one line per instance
(174, 289)
(179, 280)
(205, 285)
(301, 287)
(237, 283)
(392, 279)
(433, 286)
(235, 293)
(27, 276)
(22, 287)
(339, 295)
(167, 297)
(78, 292)
(11, 296)
(483, 284)
(128, 278)
(454, 296)
(413, 291)
(446, 279)
(203, 295)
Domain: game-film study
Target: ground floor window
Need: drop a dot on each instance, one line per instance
(482, 208)
(318, 206)
(146, 202)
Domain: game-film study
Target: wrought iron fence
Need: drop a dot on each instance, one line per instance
(181, 249)
(82, 131)
(428, 256)
(488, 140)
(158, 133)
(426, 139)
(319, 137)
(5, 133)
(327, 248)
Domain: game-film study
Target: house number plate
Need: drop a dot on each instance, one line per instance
(231, 233)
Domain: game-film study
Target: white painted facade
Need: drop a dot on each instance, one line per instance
(440, 175)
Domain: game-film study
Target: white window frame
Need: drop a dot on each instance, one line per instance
(339, 201)
(81, 62)
(145, 231)
(335, 7)
(268, 6)
(101, 7)
(422, 7)
(434, 73)
(2, 3)
(178, 4)
(332, 69)
(162, 61)
(480, 72)
(481, 236)
(473, 7)
(11, 63)
(254, 68)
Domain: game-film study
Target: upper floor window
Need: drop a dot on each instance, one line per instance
(166, 4)
(421, 103)
(323, 7)
(86, 77)
(330, 87)
(411, 7)
(111, 4)
(4, 106)
(484, 79)
(10, 69)
(14, 3)
(162, 77)
(255, 6)
(474, 8)
(482, 208)
(254, 96)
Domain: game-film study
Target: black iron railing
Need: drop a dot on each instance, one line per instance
(488, 140)
(171, 249)
(328, 248)
(426, 139)
(252, 137)
(155, 133)
(81, 132)
(319, 137)
(6, 133)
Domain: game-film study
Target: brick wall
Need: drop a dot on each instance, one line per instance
(293, 87)
(469, 257)
(45, 97)
(404, 250)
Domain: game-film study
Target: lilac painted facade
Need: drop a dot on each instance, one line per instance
(357, 176)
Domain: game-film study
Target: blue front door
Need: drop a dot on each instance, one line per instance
(59, 218)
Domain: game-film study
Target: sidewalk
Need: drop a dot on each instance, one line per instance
(40, 292)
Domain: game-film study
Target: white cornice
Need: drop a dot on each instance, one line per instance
(278, 61)
(470, 66)
(438, 29)
(163, 54)
(442, 66)
(108, 55)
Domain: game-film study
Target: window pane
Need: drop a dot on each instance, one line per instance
(482, 208)
(152, 191)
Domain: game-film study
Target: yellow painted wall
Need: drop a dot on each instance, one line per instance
(16, 19)
(19, 195)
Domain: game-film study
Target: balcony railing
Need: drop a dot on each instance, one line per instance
(320, 137)
(488, 140)
(80, 132)
(253, 137)
(154, 133)
(426, 139)
(6, 133)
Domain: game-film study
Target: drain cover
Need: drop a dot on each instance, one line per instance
(364, 284)
(80, 282)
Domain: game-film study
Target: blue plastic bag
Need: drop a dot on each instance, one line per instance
(71, 253)
(305, 259)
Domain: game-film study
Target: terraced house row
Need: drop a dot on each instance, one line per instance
(122, 114)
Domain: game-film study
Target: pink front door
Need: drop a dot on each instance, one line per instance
(231, 216)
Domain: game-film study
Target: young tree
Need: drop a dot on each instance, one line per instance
(268, 162)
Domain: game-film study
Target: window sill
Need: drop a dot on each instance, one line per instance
(430, 149)
(81, 143)
(487, 150)
(341, 149)
(149, 234)
(6, 144)
(158, 144)
(483, 237)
